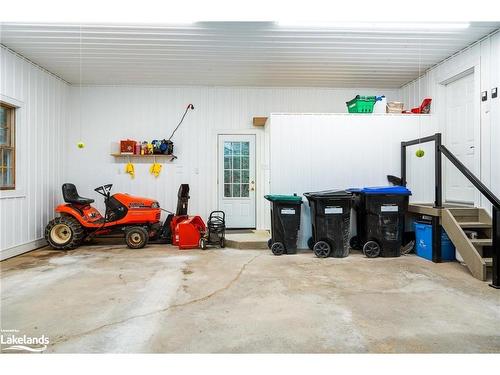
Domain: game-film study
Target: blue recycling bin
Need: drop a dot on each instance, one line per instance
(423, 242)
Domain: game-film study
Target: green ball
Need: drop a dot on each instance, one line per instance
(420, 153)
(80, 144)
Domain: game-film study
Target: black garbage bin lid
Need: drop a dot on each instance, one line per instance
(324, 194)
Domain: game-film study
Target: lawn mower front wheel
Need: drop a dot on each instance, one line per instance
(136, 237)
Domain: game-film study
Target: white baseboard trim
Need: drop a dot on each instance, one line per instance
(21, 249)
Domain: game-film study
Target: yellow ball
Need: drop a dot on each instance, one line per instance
(420, 153)
(80, 144)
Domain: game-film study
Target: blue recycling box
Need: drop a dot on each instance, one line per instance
(423, 242)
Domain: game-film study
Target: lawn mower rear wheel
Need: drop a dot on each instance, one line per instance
(64, 233)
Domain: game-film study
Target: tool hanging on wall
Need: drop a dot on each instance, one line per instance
(190, 106)
(166, 146)
(155, 169)
(129, 168)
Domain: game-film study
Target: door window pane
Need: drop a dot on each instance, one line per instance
(236, 162)
(228, 162)
(236, 190)
(236, 176)
(236, 148)
(244, 190)
(227, 176)
(245, 162)
(245, 148)
(227, 148)
(227, 190)
(245, 178)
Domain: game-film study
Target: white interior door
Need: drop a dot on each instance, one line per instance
(459, 138)
(236, 180)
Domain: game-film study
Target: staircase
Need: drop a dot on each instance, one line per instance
(460, 220)
(476, 252)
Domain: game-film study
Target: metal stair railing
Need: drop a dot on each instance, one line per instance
(440, 150)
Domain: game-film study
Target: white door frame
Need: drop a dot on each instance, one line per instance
(462, 72)
(259, 190)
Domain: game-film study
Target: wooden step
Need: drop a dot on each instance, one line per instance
(488, 261)
(473, 224)
(472, 211)
(481, 241)
(470, 254)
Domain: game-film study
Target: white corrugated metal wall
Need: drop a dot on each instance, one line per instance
(114, 113)
(484, 58)
(40, 133)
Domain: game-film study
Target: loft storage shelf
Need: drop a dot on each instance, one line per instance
(118, 155)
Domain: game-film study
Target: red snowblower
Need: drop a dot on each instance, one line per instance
(181, 229)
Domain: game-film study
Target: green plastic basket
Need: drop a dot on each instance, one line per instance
(361, 104)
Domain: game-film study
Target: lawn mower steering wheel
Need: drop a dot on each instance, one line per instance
(104, 190)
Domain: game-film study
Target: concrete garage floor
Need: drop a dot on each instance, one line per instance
(160, 299)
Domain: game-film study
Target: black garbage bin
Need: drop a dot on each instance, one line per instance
(331, 219)
(380, 214)
(285, 223)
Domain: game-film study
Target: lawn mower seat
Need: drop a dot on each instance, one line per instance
(70, 195)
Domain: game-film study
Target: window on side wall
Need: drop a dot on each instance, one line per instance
(7, 147)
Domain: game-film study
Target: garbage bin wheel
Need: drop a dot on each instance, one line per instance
(310, 243)
(322, 249)
(354, 243)
(269, 243)
(371, 249)
(278, 248)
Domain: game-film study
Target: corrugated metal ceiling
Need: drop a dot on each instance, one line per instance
(238, 54)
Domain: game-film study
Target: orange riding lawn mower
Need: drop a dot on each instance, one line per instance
(135, 218)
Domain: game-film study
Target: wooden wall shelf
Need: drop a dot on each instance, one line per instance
(118, 155)
(259, 121)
